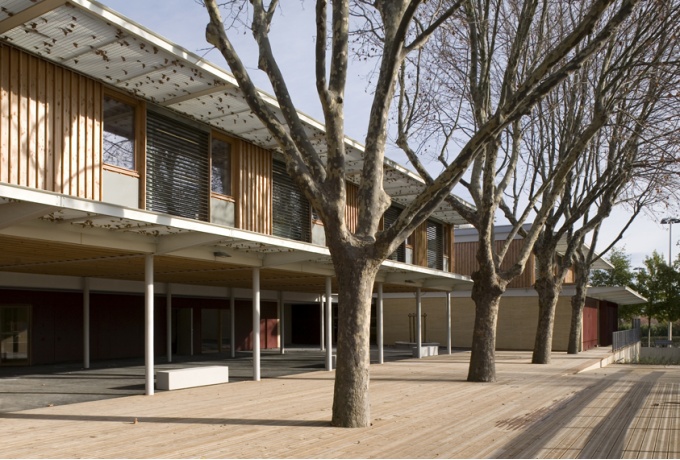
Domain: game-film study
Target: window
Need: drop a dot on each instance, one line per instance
(177, 168)
(220, 156)
(435, 245)
(291, 213)
(119, 134)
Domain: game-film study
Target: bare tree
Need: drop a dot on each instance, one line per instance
(402, 27)
(460, 88)
(618, 111)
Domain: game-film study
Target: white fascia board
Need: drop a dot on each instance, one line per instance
(71, 234)
(149, 217)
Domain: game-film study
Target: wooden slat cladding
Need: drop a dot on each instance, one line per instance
(352, 207)
(466, 262)
(50, 126)
(420, 245)
(254, 194)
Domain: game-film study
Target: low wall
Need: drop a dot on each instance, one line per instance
(660, 355)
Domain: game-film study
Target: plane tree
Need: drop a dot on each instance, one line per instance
(402, 28)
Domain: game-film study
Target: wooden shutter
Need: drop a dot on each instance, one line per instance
(177, 168)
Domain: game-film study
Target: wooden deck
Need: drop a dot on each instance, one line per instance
(421, 409)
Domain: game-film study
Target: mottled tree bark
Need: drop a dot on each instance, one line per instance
(578, 301)
(355, 277)
(486, 293)
(548, 289)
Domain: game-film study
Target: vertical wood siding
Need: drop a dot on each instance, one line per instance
(254, 193)
(466, 262)
(420, 245)
(352, 208)
(50, 126)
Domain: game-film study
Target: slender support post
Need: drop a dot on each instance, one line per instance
(379, 307)
(86, 323)
(419, 335)
(148, 322)
(168, 321)
(256, 324)
(448, 322)
(329, 325)
(220, 337)
(232, 323)
(322, 345)
(282, 330)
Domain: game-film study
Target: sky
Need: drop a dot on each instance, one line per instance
(183, 22)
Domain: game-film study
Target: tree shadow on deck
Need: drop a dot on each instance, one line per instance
(605, 440)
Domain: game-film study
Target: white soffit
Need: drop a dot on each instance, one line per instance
(93, 40)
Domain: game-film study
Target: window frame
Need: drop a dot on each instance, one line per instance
(232, 173)
(139, 124)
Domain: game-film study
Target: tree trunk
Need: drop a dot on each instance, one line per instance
(578, 301)
(548, 292)
(355, 278)
(486, 293)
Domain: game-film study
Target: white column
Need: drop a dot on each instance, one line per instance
(448, 322)
(322, 307)
(256, 324)
(419, 335)
(282, 335)
(232, 323)
(329, 325)
(168, 321)
(86, 323)
(379, 325)
(148, 323)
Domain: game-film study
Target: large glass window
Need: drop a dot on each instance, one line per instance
(119, 133)
(220, 154)
(14, 329)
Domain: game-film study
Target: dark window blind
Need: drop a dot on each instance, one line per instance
(291, 213)
(435, 245)
(177, 168)
(389, 218)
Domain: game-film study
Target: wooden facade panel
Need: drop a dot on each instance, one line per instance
(254, 189)
(466, 262)
(420, 245)
(50, 126)
(352, 208)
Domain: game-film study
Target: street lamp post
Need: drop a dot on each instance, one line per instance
(670, 221)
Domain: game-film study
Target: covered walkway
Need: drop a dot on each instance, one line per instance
(421, 408)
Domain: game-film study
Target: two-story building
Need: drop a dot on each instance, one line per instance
(518, 313)
(145, 211)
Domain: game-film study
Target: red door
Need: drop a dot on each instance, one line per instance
(590, 324)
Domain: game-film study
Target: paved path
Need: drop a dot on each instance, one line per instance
(420, 408)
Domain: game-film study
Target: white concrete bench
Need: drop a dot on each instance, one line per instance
(175, 379)
(427, 349)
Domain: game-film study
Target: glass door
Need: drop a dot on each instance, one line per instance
(14, 321)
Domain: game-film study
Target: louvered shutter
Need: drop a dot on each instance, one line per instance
(389, 218)
(177, 168)
(291, 213)
(435, 245)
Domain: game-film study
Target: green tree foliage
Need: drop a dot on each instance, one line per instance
(620, 275)
(659, 283)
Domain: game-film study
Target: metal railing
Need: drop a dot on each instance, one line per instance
(622, 339)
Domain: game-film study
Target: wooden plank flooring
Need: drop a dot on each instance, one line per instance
(420, 409)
